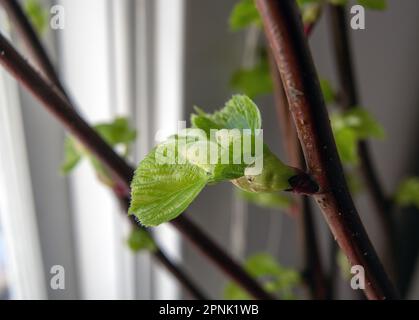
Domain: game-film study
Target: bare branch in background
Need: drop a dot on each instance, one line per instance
(348, 98)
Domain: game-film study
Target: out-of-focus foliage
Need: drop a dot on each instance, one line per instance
(275, 278)
(349, 128)
(329, 93)
(140, 239)
(37, 14)
(244, 14)
(407, 193)
(253, 81)
(117, 133)
(374, 4)
(267, 200)
(344, 265)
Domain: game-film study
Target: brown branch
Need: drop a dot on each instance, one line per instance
(313, 269)
(31, 41)
(348, 98)
(58, 106)
(289, 45)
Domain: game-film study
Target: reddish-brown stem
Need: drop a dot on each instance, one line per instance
(313, 269)
(285, 34)
(58, 106)
(348, 98)
(31, 41)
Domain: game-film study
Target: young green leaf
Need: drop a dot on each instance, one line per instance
(349, 128)
(140, 239)
(310, 10)
(175, 172)
(329, 94)
(254, 81)
(240, 112)
(244, 14)
(116, 133)
(276, 279)
(266, 200)
(373, 4)
(72, 156)
(160, 192)
(407, 193)
(37, 14)
(275, 176)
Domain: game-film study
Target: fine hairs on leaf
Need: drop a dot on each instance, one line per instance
(173, 174)
(276, 279)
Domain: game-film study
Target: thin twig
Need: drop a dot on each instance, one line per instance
(289, 45)
(348, 98)
(58, 106)
(32, 42)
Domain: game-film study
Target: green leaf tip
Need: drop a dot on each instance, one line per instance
(139, 240)
(37, 14)
(240, 112)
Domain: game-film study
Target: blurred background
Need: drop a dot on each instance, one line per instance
(153, 60)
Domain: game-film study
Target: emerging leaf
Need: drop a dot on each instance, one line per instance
(407, 193)
(72, 156)
(347, 143)
(175, 172)
(37, 15)
(310, 11)
(244, 14)
(161, 192)
(115, 133)
(240, 112)
(329, 94)
(350, 127)
(277, 279)
(255, 81)
(140, 239)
